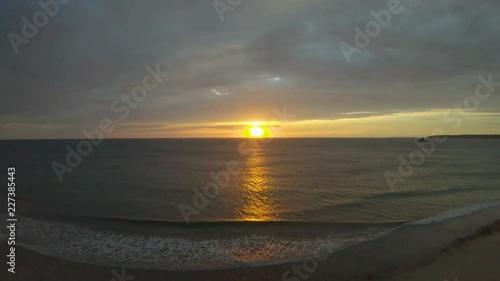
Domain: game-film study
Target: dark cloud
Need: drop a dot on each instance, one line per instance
(265, 54)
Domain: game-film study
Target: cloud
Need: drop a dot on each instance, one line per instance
(265, 54)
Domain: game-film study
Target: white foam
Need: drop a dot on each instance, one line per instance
(80, 244)
(455, 213)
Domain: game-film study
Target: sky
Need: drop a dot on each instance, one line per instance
(230, 63)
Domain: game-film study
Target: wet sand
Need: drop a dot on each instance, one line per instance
(477, 259)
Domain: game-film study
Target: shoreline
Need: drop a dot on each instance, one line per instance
(473, 258)
(398, 254)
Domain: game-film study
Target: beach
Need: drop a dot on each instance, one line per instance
(465, 247)
(475, 259)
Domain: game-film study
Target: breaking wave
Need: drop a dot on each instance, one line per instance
(85, 243)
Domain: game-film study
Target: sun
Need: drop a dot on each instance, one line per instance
(257, 132)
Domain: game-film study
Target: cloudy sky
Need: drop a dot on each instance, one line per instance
(232, 65)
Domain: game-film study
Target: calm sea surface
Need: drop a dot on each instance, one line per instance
(275, 198)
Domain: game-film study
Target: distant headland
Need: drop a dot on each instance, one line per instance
(467, 136)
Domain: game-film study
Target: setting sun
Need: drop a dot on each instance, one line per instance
(257, 132)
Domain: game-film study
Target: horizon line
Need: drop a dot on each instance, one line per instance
(237, 138)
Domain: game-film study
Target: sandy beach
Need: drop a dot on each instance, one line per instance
(476, 259)
(473, 254)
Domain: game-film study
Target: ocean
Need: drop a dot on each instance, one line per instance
(197, 204)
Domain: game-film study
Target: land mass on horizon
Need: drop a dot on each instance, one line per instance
(467, 136)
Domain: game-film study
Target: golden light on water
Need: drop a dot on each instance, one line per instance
(258, 203)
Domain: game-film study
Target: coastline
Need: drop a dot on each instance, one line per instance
(473, 259)
(406, 254)
(493, 137)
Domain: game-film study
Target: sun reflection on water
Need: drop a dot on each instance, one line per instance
(258, 205)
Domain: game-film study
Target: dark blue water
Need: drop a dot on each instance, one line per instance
(326, 180)
(266, 200)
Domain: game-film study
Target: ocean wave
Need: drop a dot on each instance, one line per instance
(83, 243)
(458, 212)
(388, 196)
